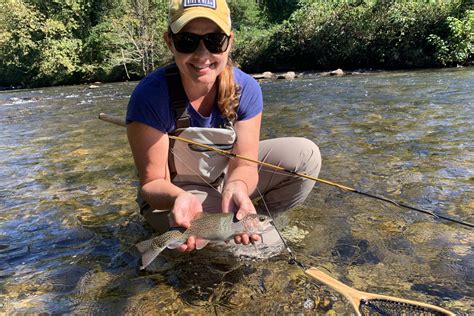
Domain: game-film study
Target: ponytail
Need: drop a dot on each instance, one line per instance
(228, 92)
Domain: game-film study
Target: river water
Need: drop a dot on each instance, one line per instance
(69, 224)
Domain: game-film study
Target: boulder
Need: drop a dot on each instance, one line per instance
(337, 72)
(265, 75)
(268, 75)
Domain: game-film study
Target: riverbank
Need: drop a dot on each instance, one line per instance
(69, 43)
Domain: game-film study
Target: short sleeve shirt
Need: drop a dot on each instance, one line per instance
(150, 103)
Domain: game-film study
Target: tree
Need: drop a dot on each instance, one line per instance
(20, 32)
(138, 31)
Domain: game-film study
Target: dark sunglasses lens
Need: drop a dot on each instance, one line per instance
(186, 43)
(216, 43)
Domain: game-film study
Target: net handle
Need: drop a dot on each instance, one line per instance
(354, 296)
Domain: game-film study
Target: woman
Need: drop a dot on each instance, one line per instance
(215, 102)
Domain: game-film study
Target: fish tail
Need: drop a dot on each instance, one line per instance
(144, 245)
(149, 253)
(148, 256)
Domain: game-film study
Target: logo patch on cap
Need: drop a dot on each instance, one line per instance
(199, 3)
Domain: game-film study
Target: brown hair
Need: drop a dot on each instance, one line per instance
(228, 92)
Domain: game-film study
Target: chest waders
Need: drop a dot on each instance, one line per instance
(189, 163)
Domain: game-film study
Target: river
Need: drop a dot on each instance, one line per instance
(69, 224)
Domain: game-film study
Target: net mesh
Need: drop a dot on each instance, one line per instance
(389, 307)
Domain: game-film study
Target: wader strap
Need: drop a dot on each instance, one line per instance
(177, 95)
(171, 163)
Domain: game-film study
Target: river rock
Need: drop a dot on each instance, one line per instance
(265, 75)
(337, 72)
(268, 75)
(290, 75)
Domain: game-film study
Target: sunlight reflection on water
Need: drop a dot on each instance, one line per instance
(68, 212)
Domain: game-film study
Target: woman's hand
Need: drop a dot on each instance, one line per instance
(235, 198)
(186, 208)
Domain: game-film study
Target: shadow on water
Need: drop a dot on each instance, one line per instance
(69, 223)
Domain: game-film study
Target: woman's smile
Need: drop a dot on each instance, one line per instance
(203, 68)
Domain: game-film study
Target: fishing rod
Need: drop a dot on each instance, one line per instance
(119, 121)
(362, 302)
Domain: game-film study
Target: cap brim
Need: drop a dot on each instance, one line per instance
(187, 17)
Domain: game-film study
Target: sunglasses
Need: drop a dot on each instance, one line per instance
(187, 43)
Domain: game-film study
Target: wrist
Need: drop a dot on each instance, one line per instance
(239, 182)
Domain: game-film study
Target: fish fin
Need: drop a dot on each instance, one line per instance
(201, 243)
(144, 245)
(148, 253)
(174, 244)
(148, 256)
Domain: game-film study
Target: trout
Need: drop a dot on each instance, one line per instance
(208, 227)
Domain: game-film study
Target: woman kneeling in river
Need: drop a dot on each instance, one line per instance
(205, 98)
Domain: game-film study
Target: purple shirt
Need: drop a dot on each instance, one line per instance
(150, 103)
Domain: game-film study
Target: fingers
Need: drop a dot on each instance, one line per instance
(185, 209)
(245, 207)
(246, 239)
(190, 245)
(255, 238)
(182, 248)
(228, 204)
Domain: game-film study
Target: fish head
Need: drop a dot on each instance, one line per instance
(256, 223)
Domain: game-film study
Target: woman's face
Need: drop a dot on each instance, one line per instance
(201, 66)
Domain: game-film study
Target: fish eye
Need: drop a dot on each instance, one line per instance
(262, 218)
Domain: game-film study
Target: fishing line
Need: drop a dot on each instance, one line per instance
(363, 302)
(199, 175)
(292, 259)
(120, 121)
(303, 175)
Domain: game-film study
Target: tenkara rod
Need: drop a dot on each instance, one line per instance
(119, 121)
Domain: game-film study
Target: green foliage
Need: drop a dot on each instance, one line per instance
(20, 29)
(246, 14)
(455, 44)
(362, 34)
(252, 32)
(277, 11)
(59, 51)
(138, 32)
(42, 42)
(47, 42)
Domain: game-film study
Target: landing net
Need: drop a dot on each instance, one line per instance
(391, 307)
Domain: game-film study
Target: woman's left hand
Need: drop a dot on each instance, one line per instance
(235, 199)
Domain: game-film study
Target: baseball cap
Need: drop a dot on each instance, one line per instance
(182, 12)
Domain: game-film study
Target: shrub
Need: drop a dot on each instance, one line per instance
(454, 42)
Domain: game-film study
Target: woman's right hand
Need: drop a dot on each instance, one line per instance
(186, 208)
